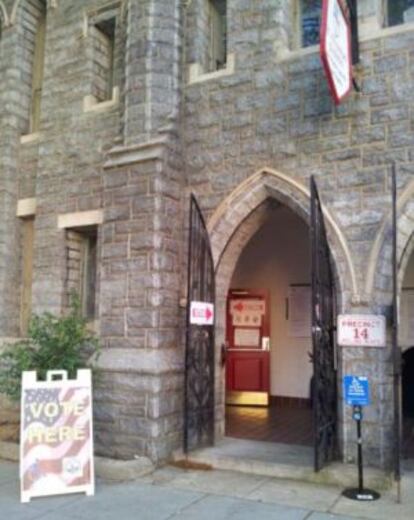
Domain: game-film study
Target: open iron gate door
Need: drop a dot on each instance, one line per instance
(324, 385)
(396, 351)
(199, 355)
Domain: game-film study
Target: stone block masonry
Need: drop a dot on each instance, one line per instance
(138, 157)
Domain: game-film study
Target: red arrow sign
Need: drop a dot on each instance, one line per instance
(202, 313)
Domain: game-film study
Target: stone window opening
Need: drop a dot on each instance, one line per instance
(103, 41)
(27, 240)
(105, 31)
(34, 27)
(399, 12)
(308, 16)
(81, 268)
(217, 33)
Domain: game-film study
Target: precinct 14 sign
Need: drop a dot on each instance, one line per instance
(360, 330)
(56, 441)
(335, 48)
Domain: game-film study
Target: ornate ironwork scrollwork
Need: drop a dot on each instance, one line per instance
(199, 363)
(324, 386)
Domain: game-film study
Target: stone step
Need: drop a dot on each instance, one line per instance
(278, 461)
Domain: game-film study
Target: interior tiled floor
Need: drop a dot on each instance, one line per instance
(272, 424)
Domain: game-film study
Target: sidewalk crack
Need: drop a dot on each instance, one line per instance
(182, 509)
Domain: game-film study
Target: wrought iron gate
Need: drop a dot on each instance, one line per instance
(199, 355)
(395, 347)
(324, 386)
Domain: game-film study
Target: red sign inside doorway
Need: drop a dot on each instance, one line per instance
(248, 331)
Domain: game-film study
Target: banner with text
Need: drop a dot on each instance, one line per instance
(56, 441)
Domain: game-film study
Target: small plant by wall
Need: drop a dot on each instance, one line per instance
(54, 342)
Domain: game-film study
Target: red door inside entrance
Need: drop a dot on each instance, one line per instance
(248, 355)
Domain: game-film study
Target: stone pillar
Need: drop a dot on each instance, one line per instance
(139, 396)
(152, 68)
(9, 143)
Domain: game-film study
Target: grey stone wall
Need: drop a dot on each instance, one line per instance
(138, 159)
(10, 98)
(275, 111)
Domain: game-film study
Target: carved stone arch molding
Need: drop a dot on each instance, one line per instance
(4, 17)
(249, 196)
(379, 276)
(50, 4)
(236, 221)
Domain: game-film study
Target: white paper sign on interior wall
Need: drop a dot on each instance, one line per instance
(300, 311)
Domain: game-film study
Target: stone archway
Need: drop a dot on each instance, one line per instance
(237, 219)
(379, 276)
(4, 17)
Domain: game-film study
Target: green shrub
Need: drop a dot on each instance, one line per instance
(54, 343)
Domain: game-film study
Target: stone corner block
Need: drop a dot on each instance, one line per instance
(122, 470)
(9, 451)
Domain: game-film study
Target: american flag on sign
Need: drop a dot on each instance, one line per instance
(56, 438)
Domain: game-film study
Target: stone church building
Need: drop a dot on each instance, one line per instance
(112, 113)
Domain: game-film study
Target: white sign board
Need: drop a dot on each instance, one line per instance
(56, 439)
(359, 330)
(336, 53)
(247, 312)
(247, 338)
(201, 313)
(300, 311)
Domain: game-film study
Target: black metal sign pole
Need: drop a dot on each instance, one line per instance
(358, 417)
(360, 493)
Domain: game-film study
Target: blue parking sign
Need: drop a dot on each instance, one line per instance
(356, 390)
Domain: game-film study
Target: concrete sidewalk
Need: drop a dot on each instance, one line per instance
(172, 493)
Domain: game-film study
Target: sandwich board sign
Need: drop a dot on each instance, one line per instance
(335, 48)
(56, 439)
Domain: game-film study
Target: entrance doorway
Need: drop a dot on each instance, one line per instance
(406, 340)
(408, 402)
(274, 267)
(272, 206)
(407, 346)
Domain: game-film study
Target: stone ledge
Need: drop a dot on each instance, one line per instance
(198, 75)
(337, 474)
(108, 469)
(26, 207)
(149, 151)
(91, 104)
(121, 470)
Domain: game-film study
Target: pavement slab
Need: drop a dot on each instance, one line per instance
(226, 508)
(130, 501)
(9, 471)
(302, 494)
(230, 483)
(173, 493)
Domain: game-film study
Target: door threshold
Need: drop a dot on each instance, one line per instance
(277, 460)
(247, 399)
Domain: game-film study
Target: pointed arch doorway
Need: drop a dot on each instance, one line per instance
(232, 226)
